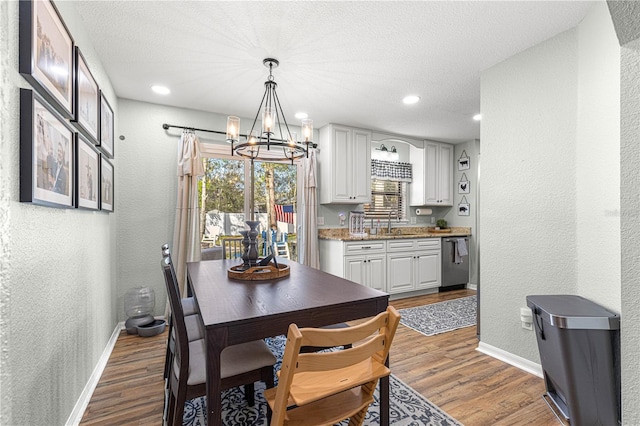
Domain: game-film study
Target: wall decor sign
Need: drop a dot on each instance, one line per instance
(47, 168)
(46, 54)
(464, 161)
(106, 184)
(463, 207)
(106, 126)
(87, 99)
(88, 166)
(464, 186)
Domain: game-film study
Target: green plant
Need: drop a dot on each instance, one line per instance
(441, 223)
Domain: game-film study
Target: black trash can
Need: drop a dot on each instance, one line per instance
(579, 352)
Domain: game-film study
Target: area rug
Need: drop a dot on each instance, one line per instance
(441, 317)
(407, 407)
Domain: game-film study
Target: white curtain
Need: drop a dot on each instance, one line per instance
(186, 231)
(310, 252)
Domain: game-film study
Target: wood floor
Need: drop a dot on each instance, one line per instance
(473, 388)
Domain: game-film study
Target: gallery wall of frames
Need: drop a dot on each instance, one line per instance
(66, 124)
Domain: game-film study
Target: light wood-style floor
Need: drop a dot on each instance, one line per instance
(473, 388)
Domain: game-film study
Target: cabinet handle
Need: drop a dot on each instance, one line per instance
(366, 247)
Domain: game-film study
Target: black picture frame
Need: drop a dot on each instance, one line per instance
(106, 185)
(87, 100)
(106, 127)
(46, 54)
(87, 174)
(47, 154)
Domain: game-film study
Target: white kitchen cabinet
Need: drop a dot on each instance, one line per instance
(369, 270)
(344, 167)
(433, 175)
(413, 265)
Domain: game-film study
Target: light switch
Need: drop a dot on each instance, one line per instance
(320, 220)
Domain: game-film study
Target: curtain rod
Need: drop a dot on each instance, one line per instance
(168, 126)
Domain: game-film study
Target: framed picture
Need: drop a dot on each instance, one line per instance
(46, 54)
(106, 127)
(87, 178)
(106, 184)
(87, 100)
(464, 185)
(47, 167)
(463, 207)
(463, 163)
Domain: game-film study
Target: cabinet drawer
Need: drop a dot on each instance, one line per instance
(364, 247)
(401, 245)
(428, 244)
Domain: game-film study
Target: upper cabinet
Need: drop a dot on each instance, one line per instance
(432, 175)
(344, 165)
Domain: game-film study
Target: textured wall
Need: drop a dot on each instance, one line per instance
(598, 160)
(630, 208)
(57, 298)
(527, 211)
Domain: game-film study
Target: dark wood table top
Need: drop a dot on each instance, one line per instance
(307, 297)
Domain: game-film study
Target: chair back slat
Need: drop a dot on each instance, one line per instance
(232, 248)
(339, 359)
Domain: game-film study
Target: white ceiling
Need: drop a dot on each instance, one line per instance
(341, 62)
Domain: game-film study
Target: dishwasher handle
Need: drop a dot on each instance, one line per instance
(453, 240)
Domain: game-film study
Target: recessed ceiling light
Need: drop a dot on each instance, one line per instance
(301, 115)
(411, 99)
(161, 90)
(477, 117)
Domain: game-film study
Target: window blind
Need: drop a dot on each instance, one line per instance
(387, 196)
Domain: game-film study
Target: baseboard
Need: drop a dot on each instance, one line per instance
(87, 392)
(471, 286)
(509, 358)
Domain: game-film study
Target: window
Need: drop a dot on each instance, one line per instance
(225, 198)
(387, 196)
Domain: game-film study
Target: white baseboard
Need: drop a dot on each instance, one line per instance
(472, 286)
(87, 392)
(509, 358)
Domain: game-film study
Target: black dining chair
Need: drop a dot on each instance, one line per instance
(241, 364)
(192, 320)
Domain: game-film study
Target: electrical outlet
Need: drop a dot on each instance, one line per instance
(433, 220)
(320, 220)
(413, 220)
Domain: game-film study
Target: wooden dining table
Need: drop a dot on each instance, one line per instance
(235, 311)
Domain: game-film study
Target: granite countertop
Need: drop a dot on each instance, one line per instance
(342, 234)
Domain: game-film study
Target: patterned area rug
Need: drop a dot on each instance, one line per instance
(408, 408)
(441, 317)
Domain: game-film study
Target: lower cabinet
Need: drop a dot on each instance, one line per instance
(413, 265)
(369, 270)
(393, 266)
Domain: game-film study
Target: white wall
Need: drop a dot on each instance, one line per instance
(598, 160)
(550, 184)
(630, 227)
(57, 304)
(527, 213)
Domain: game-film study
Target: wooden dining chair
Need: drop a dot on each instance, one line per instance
(327, 387)
(232, 248)
(241, 364)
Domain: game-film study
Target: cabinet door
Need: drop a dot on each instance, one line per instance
(342, 167)
(427, 269)
(377, 272)
(354, 269)
(431, 178)
(360, 161)
(446, 175)
(399, 272)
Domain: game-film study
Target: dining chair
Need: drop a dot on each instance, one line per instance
(192, 320)
(232, 248)
(324, 388)
(241, 364)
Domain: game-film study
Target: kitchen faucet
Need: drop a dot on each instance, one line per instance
(389, 220)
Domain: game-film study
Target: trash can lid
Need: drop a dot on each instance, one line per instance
(575, 312)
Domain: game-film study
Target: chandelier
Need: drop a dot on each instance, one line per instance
(272, 140)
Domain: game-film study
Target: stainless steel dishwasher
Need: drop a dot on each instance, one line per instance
(455, 264)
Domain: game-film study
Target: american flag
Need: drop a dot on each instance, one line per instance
(284, 213)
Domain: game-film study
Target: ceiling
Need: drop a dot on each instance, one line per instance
(341, 62)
